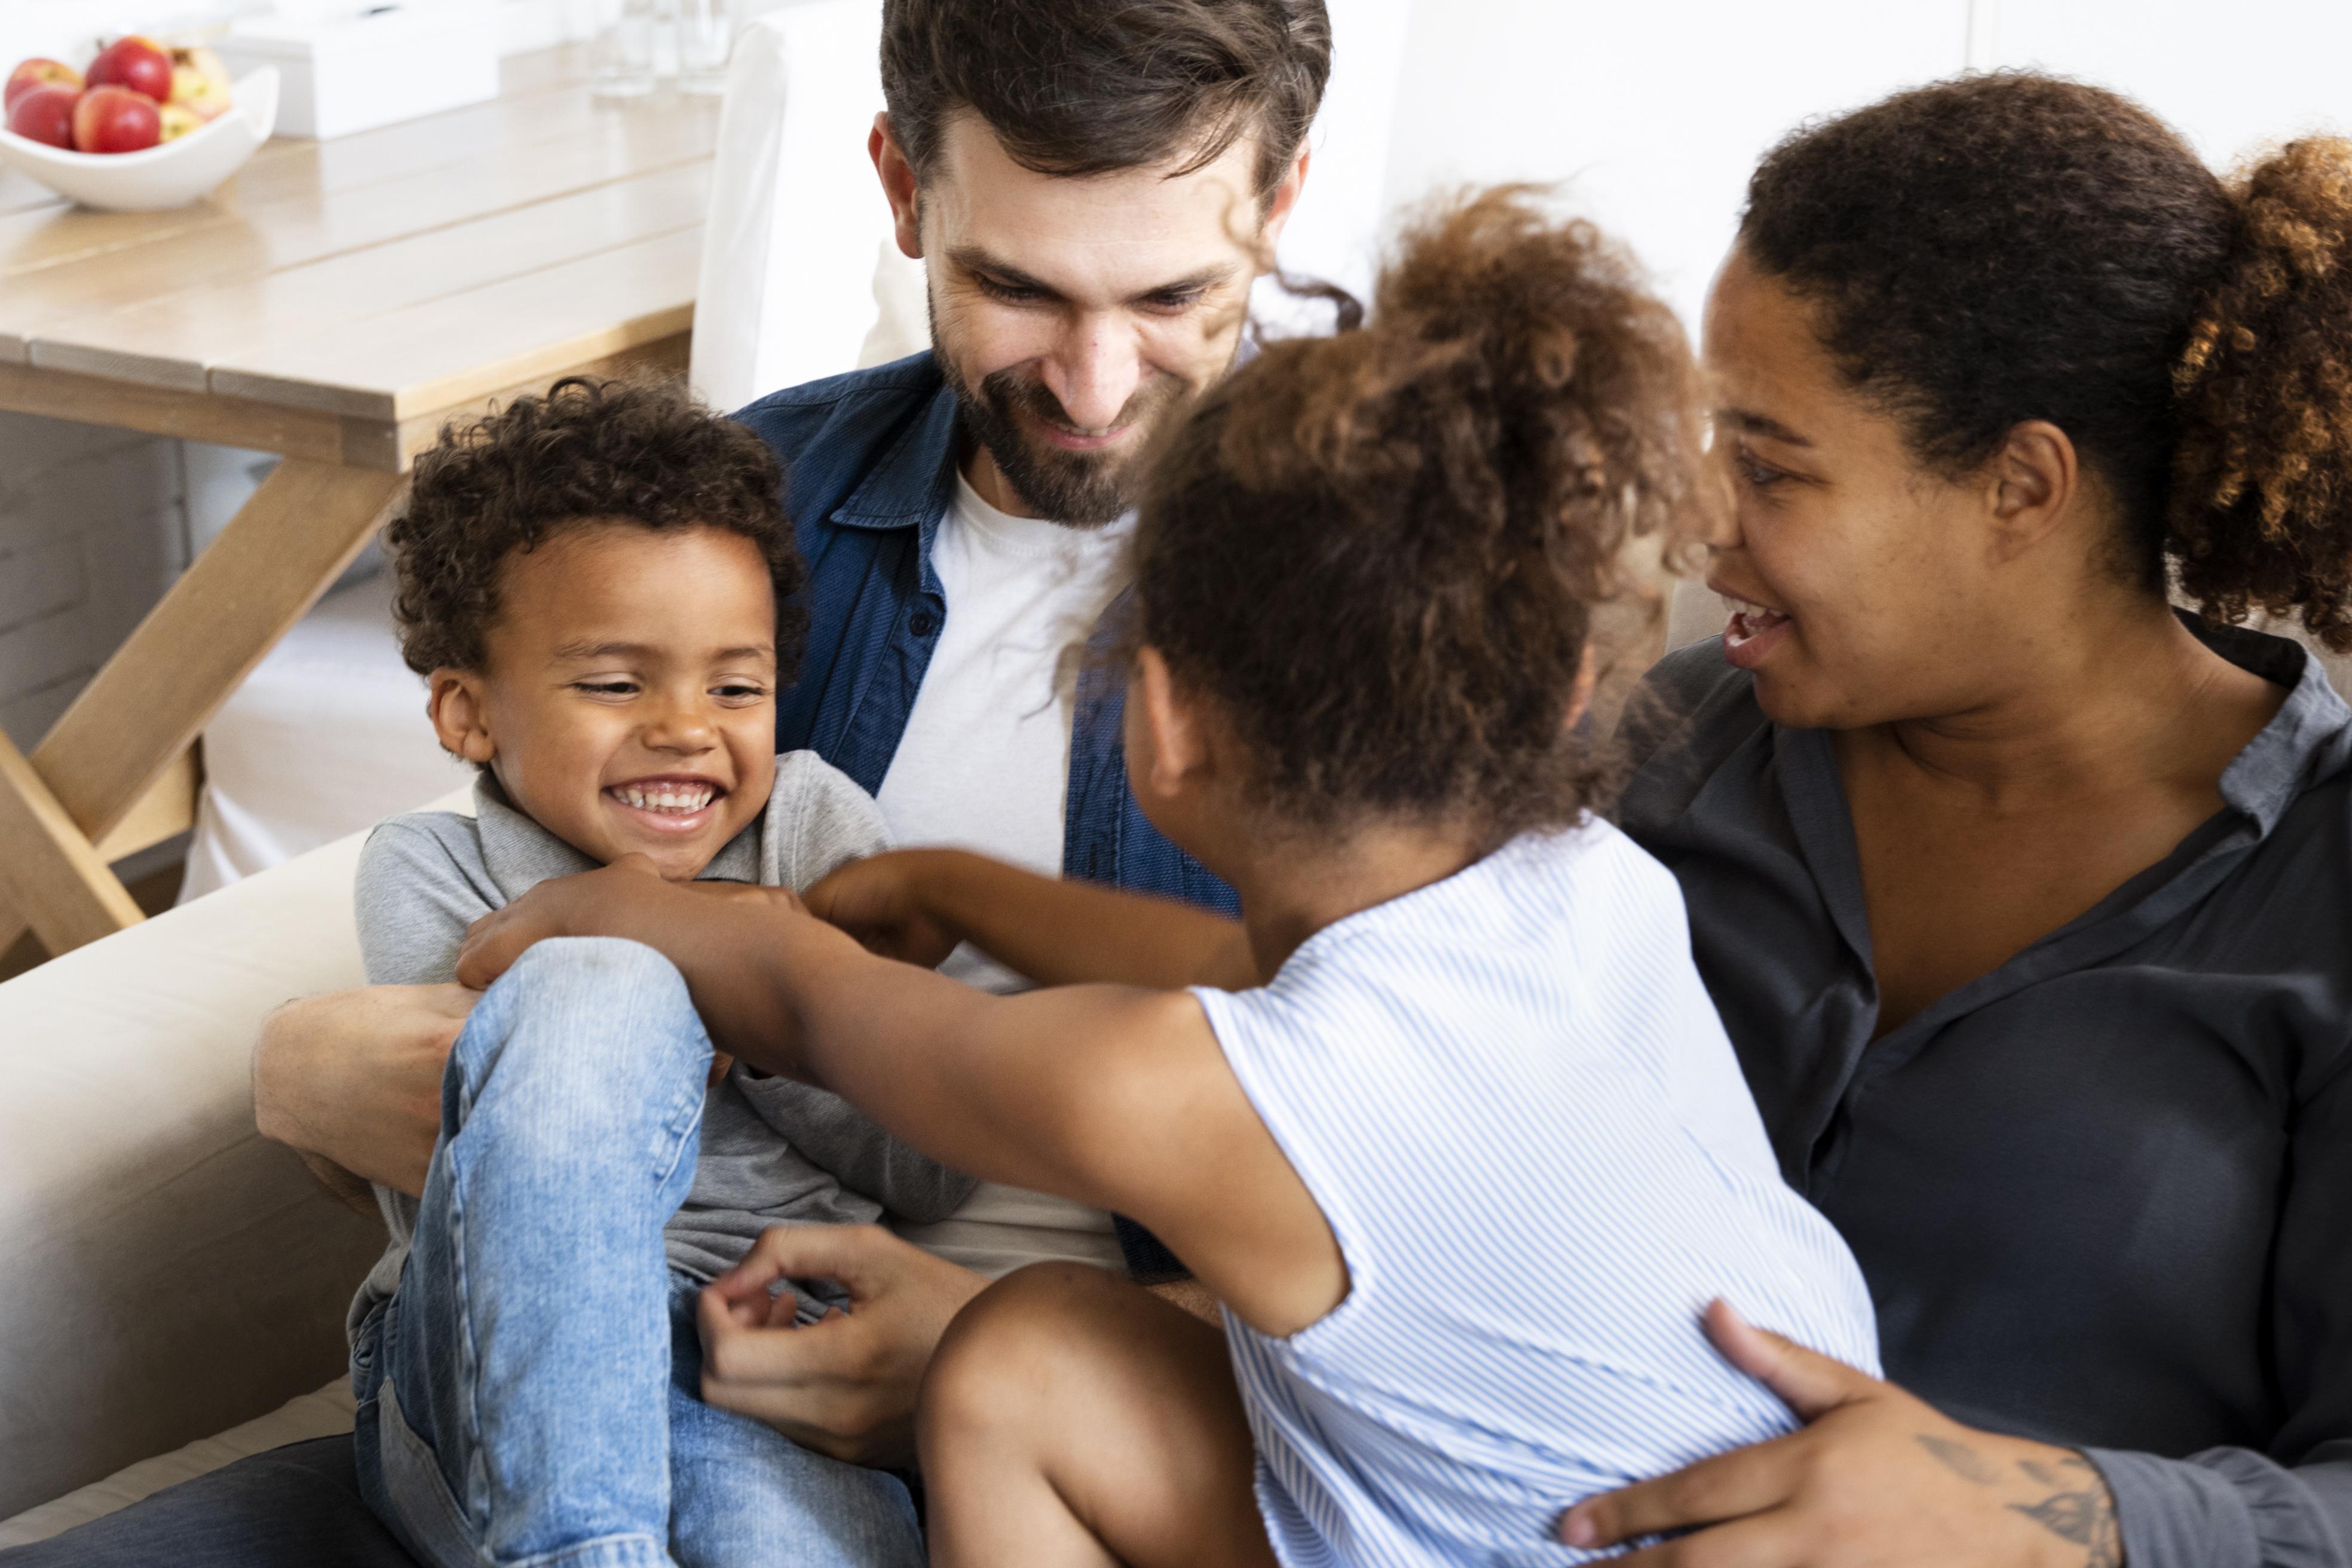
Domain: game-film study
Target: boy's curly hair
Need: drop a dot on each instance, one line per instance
(589, 451)
(1380, 553)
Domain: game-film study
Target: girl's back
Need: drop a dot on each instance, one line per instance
(1512, 1099)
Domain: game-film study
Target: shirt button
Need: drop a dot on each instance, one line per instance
(923, 623)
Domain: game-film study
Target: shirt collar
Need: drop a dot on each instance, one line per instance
(915, 480)
(2305, 741)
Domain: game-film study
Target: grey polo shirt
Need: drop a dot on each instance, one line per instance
(2103, 1196)
(773, 1151)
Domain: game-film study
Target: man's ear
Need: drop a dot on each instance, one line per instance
(1284, 201)
(459, 717)
(2034, 486)
(898, 184)
(1173, 732)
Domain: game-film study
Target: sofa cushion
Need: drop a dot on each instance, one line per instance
(165, 1272)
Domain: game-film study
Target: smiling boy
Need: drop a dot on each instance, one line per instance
(590, 583)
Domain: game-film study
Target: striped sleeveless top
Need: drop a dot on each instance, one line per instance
(1511, 1099)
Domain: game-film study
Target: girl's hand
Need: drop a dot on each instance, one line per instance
(603, 902)
(879, 900)
(1876, 1477)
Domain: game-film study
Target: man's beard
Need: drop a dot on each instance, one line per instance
(1080, 490)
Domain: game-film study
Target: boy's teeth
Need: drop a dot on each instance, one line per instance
(684, 799)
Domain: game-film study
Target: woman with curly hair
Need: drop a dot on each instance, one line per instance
(2025, 897)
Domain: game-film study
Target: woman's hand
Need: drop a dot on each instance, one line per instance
(879, 900)
(845, 1386)
(1876, 1477)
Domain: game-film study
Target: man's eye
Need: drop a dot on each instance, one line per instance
(1011, 293)
(1184, 300)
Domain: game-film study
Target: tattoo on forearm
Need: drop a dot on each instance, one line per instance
(2080, 1510)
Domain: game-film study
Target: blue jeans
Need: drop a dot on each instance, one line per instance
(531, 1394)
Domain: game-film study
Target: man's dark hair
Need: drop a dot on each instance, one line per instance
(1088, 87)
(643, 452)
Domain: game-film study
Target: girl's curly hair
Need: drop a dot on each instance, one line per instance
(2012, 246)
(589, 451)
(1380, 552)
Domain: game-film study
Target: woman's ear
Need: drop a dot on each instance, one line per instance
(2036, 485)
(1168, 723)
(460, 716)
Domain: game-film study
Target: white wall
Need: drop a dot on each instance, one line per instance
(1655, 111)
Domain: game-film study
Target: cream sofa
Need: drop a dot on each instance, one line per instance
(171, 1285)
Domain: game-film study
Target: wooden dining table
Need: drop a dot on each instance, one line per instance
(337, 303)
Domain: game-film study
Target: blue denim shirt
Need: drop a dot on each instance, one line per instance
(869, 469)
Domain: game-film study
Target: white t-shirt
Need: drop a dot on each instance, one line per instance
(985, 765)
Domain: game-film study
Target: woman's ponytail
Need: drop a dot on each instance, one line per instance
(2261, 505)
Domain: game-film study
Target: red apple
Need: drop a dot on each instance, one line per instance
(46, 114)
(116, 120)
(137, 63)
(33, 73)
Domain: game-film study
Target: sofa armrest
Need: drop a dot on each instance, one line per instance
(165, 1272)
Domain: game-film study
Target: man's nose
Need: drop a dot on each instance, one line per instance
(1094, 370)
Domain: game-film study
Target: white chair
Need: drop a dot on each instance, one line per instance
(801, 276)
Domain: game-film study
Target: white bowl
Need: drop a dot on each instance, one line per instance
(168, 175)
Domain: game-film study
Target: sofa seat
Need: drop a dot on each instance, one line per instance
(167, 1274)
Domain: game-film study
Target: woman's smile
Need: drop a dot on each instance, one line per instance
(1753, 631)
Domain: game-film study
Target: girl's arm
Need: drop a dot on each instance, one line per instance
(1112, 1096)
(916, 904)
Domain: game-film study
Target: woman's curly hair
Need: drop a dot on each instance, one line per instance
(1379, 552)
(589, 451)
(2014, 247)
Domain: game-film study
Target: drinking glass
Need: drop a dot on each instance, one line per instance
(706, 32)
(621, 61)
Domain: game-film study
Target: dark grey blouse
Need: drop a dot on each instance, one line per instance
(2103, 1196)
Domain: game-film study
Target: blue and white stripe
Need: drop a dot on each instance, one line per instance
(1511, 1098)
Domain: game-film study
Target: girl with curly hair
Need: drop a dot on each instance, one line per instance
(2026, 896)
(1446, 1122)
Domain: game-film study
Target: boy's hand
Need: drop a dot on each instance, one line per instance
(879, 900)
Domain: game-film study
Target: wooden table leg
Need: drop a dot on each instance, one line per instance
(269, 566)
(46, 866)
